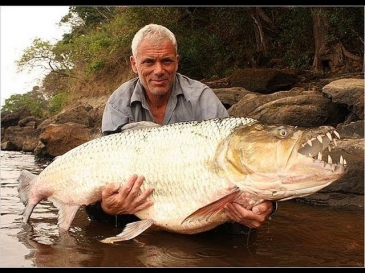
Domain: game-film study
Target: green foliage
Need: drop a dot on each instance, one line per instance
(209, 45)
(36, 103)
(295, 59)
(39, 54)
(93, 16)
(345, 26)
(212, 42)
(293, 43)
(57, 102)
(27, 101)
(104, 47)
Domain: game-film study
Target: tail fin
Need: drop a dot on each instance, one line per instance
(25, 180)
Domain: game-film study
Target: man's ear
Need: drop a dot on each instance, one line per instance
(177, 59)
(133, 64)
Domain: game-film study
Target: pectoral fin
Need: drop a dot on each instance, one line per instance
(213, 208)
(130, 231)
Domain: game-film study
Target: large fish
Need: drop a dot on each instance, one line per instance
(194, 167)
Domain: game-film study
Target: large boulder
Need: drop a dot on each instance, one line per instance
(296, 107)
(348, 190)
(349, 92)
(78, 114)
(12, 118)
(57, 139)
(264, 80)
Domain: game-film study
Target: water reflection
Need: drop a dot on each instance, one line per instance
(299, 236)
(154, 248)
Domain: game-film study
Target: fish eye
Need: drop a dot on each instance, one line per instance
(283, 132)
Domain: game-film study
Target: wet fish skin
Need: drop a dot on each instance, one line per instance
(194, 167)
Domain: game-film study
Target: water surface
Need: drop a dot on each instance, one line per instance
(299, 235)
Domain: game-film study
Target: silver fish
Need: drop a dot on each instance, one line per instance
(195, 168)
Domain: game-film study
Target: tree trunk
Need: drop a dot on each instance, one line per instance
(265, 31)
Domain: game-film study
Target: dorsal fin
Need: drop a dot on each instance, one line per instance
(139, 125)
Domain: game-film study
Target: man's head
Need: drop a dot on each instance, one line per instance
(154, 58)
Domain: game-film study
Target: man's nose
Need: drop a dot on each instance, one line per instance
(158, 68)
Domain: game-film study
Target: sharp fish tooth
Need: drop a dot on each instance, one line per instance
(329, 135)
(337, 134)
(319, 156)
(329, 159)
(335, 142)
(329, 148)
(309, 142)
(344, 162)
(310, 155)
(319, 137)
(341, 160)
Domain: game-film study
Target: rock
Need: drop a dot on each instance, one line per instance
(295, 107)
(60, 138)
(264, 80)
(349, 92)
(30, 144)
(9, 146)
(30, 121)
(230, 96)
(78, 115)
(348, 190)
(351, 130)
(12, 118)
(17, 135)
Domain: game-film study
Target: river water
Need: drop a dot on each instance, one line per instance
(299, 235)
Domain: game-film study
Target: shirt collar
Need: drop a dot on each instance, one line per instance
(138, 95)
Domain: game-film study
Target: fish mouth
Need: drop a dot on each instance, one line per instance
(312, 168)
(322, 143)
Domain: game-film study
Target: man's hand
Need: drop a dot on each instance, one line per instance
(127, 199)
(250, 218)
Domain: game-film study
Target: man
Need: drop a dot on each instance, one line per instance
(161, 95)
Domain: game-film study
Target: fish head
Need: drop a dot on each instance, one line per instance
(281, 162)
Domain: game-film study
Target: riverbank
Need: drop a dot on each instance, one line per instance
(287, 97)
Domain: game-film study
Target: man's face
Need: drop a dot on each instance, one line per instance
(156, 65)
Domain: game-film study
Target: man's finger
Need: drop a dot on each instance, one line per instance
(131, 181)
(143, 206)
(145, 194)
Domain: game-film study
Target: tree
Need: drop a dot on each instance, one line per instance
(93, 58)
(265, 28)
(329, 51)
(33, 101)
(41, 55)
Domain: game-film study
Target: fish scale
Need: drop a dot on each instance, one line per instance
(195, 168)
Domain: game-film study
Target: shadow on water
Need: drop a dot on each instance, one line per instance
(298, 236)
